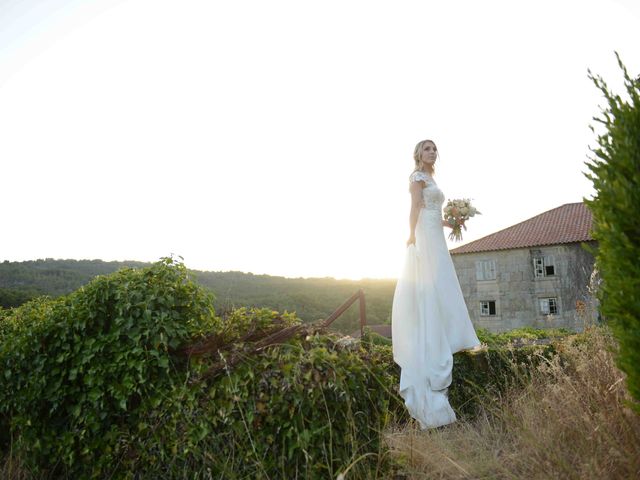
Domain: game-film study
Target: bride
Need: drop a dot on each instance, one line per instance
(429, 317)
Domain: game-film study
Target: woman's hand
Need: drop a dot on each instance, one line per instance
(412, 240)
(446, 224)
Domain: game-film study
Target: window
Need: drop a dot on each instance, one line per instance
(486, 270)
(487, 308)
(549, 306)
(544, 266)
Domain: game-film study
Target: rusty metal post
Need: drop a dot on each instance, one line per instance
(341, 309)
(363, 313)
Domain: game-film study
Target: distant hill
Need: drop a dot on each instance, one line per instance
(311, 299)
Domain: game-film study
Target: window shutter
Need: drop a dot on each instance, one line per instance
(479, 275)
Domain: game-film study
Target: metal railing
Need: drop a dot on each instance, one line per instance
(342, 308)
(228, 357)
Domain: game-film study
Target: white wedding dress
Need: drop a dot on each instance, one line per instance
(429, 317)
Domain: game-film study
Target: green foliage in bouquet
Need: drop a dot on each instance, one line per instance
(615, 173)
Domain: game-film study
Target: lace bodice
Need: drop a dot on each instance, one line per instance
(431, 194)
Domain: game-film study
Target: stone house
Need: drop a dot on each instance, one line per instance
(535, 273)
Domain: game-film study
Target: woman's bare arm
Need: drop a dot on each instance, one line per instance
(416, 204)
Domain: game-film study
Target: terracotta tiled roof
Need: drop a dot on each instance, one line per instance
(568, 223)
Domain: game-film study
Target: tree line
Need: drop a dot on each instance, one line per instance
(311, 298)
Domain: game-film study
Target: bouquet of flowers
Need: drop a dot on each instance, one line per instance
(456, 212)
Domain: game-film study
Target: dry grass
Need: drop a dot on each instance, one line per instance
(571, 422)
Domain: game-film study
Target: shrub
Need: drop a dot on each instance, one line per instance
(304, 409)
(615, 173)
(519, 334)
(370, 336)
(96, 385)
(76, 370)
(114, 381)
(491, 372)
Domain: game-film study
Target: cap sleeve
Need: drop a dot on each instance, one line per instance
(417, 176)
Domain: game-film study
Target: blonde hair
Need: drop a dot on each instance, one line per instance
(416, 154)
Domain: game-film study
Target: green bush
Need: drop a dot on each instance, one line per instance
(370, 336)
(96, 385)
(492, 372)
(304, 409)
(519, 334)
(77, 370)
(615, 173)
(106, 383)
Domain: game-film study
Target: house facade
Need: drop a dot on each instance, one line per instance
(535, 273)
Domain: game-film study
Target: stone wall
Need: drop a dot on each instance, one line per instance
(517, 292)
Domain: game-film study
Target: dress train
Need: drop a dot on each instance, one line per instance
(430, 321)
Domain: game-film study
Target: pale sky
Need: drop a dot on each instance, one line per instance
(277, 137)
